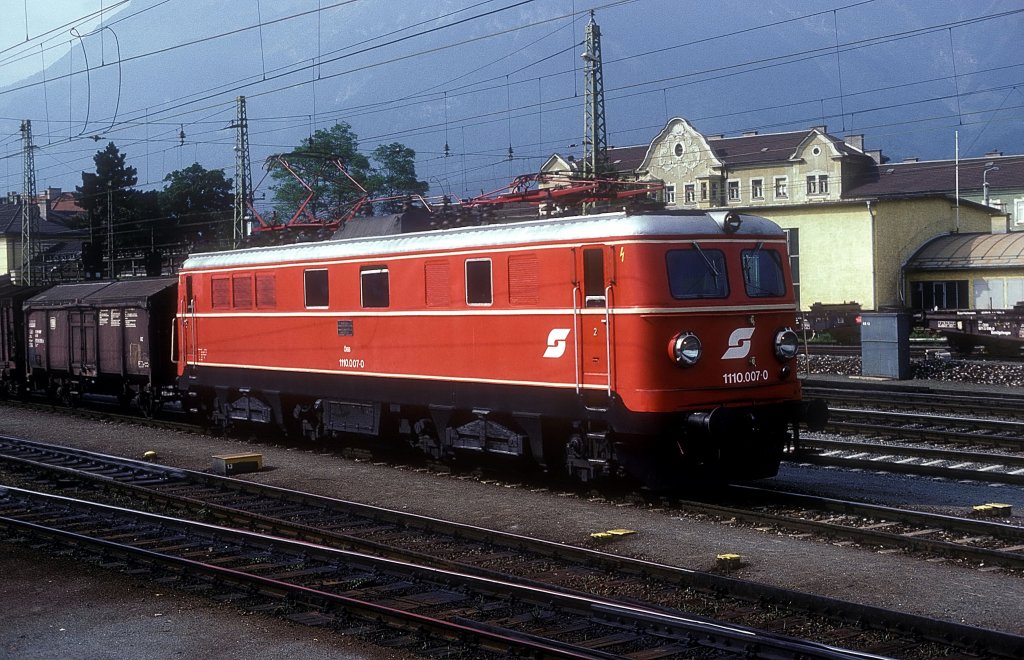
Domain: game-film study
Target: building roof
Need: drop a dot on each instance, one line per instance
(10, 222)
(970, 251)
(939, 177)
(626, 159)
(770, 147)
(66, 204)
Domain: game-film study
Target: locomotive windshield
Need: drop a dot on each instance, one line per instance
(697, 273)
(762, 273)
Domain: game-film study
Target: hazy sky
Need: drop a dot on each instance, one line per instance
(46, 22)
(487, 76)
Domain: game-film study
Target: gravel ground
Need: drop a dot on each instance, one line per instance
(934, 369)
(50, 608)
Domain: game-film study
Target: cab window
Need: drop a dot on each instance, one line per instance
(697, 273)
(762, 273)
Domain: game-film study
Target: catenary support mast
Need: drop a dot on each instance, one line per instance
(243, 175)
(595, 139)
(29, 210)
(595, 135)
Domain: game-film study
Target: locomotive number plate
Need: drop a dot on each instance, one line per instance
(744, 377)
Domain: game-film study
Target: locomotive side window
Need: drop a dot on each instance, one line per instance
(697, 273)
(220, 293)
(374, 285)
(437, 282)
(317, 292)
(593, 277)
(478, 282)
(762, 273)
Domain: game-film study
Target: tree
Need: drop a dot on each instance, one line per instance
(395, 175)
(109, 198)
(197, 206)
(312, 161)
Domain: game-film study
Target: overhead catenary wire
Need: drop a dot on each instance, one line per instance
(549, 105)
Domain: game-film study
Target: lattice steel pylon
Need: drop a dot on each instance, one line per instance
(595, 134)
(243, 175)
(29, 211)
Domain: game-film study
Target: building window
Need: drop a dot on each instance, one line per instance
(689, 194)
(817, 184)
(374, 286)
(757, 188)
(703, 191)
(670, 194)
(478, 282)
(317, 292)
(734, 191)
(781, 187)
(941, 294)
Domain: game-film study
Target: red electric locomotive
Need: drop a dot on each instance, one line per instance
(656, 345)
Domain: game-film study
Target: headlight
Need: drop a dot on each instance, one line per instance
(786, 344)
(685, 349)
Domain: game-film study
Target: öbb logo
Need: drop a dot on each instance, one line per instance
(556, 343)
(739, 344)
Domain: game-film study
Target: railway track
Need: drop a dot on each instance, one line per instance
(952, 436)
(984, 543)
(921, 461)
(434, 607)
(1006, 405)
(488, 555)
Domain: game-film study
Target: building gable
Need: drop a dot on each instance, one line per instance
(680, 152)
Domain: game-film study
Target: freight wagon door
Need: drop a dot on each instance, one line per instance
(593, 289)
(111, 342)
(83, 342)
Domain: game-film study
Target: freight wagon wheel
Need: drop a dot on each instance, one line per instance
(960, 347)
(146, 403)
(10, 389)
(66, 397)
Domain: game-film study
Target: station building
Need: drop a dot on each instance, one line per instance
(855, 222)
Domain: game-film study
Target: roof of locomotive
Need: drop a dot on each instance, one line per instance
(607, 226)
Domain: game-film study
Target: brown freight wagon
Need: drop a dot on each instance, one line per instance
(103, 338)
(12, 335)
